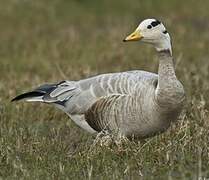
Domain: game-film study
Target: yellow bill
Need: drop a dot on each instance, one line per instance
(135, 36)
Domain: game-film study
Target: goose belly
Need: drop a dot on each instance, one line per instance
(149, 120)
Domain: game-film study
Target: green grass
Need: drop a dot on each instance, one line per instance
(48, 41)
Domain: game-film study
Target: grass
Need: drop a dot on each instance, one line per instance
(48, 41)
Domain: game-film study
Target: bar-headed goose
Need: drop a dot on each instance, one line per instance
(133, 103)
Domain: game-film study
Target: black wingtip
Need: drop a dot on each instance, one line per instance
(17, 98)
(27, 95)
(14, 99)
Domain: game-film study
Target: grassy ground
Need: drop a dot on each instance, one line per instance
(48, 41)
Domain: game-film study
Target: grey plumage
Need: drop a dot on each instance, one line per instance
(133, 103)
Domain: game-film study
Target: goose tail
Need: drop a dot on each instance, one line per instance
(30, 96)
(50, 93)
(40, 94)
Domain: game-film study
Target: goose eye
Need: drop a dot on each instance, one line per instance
(149, 27)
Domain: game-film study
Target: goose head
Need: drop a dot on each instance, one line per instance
(152, 31)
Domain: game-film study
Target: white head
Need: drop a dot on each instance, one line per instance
(154, 32)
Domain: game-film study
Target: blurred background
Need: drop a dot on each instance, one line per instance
(48, 41)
